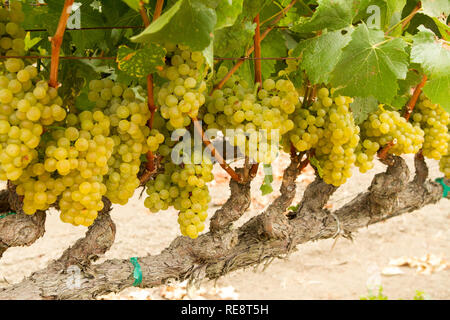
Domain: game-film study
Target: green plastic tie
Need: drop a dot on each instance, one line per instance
(446, 187)
(137, 274)
(7, 214)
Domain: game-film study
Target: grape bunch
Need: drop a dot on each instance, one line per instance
(182, 95)
(27, 106)
(339, 137)
(71, 169)
(308, 124)
(129, 131)
(183, 187)
(253, 122)
(433, 119)
(89, 135)
(383, 127)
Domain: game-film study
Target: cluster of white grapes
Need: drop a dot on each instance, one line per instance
(12, 35)
(27, 105)
(181, 97)
(433, 119)
(129, 131)
(335, 149)
(383, 127)
(183, 187)
(253, 121)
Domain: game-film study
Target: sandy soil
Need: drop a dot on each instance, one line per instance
(327, 269)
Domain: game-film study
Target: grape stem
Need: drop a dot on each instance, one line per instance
(404, 22)
(57, 40)
(417, 91)
(249, 51)
(408, 111)
(150, 97)
(257, 45)
(258, 82)
(235, 176)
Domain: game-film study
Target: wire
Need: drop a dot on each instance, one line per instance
(113, 58)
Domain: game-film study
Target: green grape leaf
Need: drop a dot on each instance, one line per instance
(187, 22)
(432, 54)
(370, 65)
(394, 11)
(331, 15)
(30, 43)
(139, 63)
(251, 8)
(434, 57)
(208, 53)
(443, 29)
(117, 13)
(266, 187)
(272, 46)
(227, 13)
(232, 41)
(438, 91)
(435, 8)
(412, 79)
(82, 102)
(362, 107)
(320, 54)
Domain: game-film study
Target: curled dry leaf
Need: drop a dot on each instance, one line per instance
(427, 264)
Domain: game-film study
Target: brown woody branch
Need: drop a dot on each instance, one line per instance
(249, 51)
(57, 41)
(18, 229)
(235, 176)
(150, 96)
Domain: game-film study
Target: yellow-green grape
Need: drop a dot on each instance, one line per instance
(181, 97)
(155, 140)
(444, 165)
(338, 136)
(433, 119)
(385, 126)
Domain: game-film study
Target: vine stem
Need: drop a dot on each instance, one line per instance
(257, 45)
(235, 176)
(150, 97)
(408, 111)
(57, 40)
(258, 80)
(406, 19)
(412, 102)
(249, 51)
